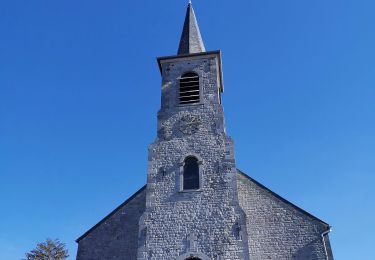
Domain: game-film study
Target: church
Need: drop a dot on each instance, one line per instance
(196, 204)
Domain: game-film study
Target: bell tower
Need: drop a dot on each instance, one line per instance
(192, 209)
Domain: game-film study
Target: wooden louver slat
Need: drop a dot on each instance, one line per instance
(189, 88)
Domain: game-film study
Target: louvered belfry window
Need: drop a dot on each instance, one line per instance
(189, 88)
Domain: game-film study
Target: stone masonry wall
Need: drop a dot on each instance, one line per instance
(202, 222)
(117, 237)
(277, 230)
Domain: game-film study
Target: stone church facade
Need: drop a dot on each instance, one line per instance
(196, 203)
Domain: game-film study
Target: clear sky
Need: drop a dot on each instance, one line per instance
(80, 89)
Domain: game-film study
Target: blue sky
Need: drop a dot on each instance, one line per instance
(80, 88)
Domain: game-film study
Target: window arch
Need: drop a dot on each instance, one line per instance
(189, 88)
(191, 173)
(193, 256)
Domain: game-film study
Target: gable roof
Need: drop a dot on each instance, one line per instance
(239, 172)
(282, 199)
(111, 214)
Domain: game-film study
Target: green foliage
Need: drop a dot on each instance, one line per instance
(48, 250)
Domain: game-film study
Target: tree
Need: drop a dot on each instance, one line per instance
(48, 250)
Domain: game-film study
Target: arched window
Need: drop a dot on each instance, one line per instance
(191, 174)
(189, 88)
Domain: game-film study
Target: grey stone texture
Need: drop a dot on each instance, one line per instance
(212, 213)
(278, 229)
(116, 236)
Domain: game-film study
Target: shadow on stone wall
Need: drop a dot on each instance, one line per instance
(310, 251)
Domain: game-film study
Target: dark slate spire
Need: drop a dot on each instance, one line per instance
(191, 39)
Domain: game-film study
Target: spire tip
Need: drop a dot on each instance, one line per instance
(191, 39)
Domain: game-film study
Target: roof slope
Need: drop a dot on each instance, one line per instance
(111, 214)
(282, 199)
(191, 39)
(239, 172)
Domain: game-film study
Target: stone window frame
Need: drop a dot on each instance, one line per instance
(200, 89)
(181, 175)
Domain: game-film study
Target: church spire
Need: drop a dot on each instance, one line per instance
(191, 39)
